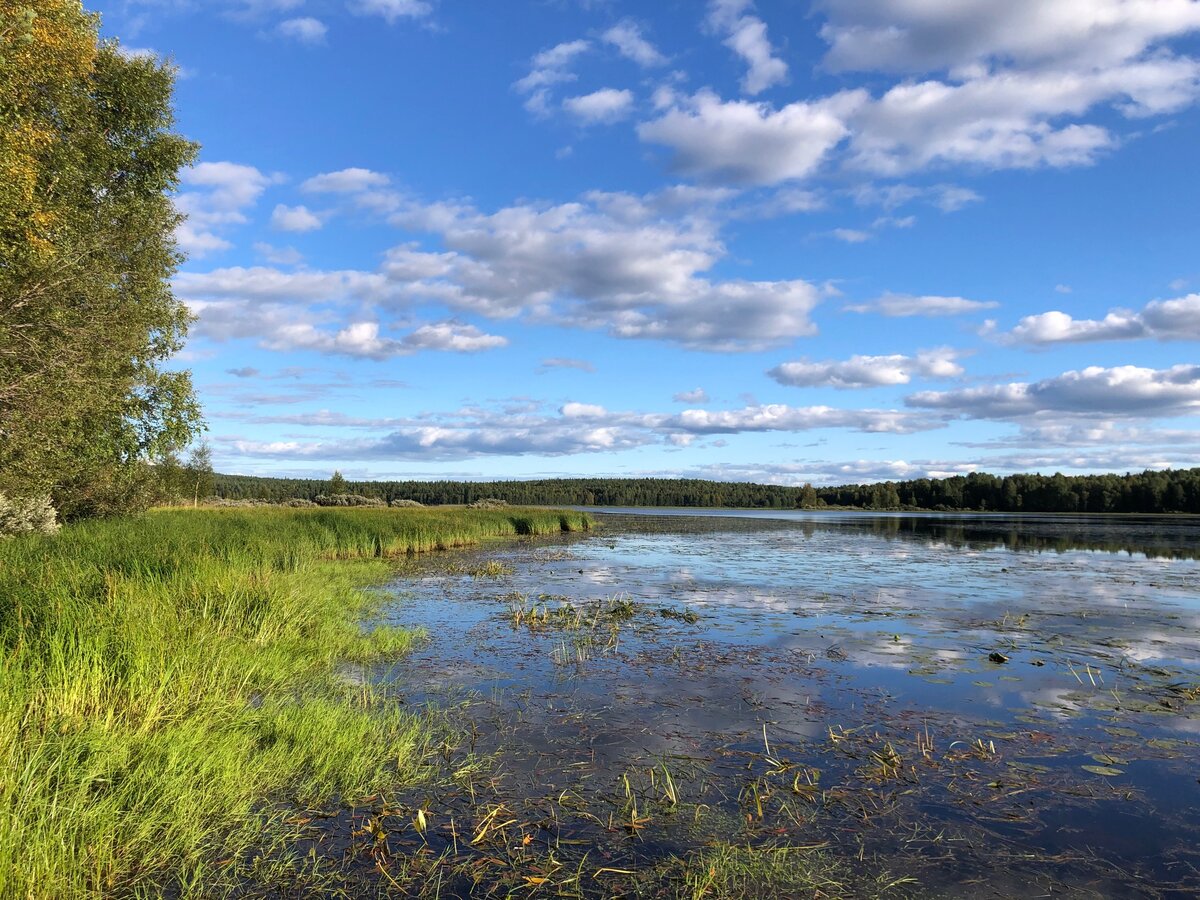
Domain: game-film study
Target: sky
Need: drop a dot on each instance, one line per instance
(784, 241)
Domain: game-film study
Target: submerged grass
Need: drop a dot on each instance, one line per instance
(169, 683)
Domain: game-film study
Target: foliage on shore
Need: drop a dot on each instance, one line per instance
(1173, 490)
(168, 681)
(88, 160)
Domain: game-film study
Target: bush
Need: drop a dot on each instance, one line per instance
(405, 503)
(297, 503)
(348, 500)
(488, 503)
(24, 515)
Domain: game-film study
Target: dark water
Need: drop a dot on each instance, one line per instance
(988, 706)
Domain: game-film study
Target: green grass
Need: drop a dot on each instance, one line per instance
(169, 686)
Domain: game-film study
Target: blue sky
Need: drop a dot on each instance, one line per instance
(785, 240)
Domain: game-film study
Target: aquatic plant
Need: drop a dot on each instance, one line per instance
(169, 684)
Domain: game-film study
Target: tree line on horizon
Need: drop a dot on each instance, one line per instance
(1172, 490)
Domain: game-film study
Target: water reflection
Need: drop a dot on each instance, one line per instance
(852, 641)
(1155, 537)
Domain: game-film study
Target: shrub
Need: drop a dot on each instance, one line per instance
(348, 500)
(405, 503)
(24, 515)
(488, 503)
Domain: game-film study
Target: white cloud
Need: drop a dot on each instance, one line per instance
(1023, 85)
(547, 69)
(279, 256)
(633, 266)
(894, 222)
(1011, 119)
(306, 30)
(1166, 320)
(276, 327)
(781, 417)
(1058, 327)
(583, 411)
(901, 305)
(346, 181)
(946, 197)
(750, 143)
(561, 362)
(574, 428)
(868, 371)
(906, 36)
(746, 35)
(1123, 391)
(453, 336)
(851, 235)
(615, 262)
(223, 192)
(392, 10)
(294, 218)
(627, 37)
(699, 395)
(606, 105)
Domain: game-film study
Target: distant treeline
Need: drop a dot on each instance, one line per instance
(1175, 490)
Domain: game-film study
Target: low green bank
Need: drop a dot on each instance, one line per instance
(166, 682)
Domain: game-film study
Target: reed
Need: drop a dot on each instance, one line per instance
(169, 688)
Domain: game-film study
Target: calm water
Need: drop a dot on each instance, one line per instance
(991, 706)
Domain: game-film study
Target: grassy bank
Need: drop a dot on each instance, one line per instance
(165, 680)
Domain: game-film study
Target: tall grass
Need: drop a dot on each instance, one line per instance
(168, 681)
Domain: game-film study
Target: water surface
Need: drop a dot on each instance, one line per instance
(987, 705)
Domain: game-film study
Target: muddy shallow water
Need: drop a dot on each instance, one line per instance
(966, 706)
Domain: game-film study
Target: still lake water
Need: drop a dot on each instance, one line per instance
(987, 705)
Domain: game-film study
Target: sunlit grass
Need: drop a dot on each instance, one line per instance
(168, 682)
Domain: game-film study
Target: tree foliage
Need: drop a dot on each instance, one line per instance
(88, 159)
(1175, 490)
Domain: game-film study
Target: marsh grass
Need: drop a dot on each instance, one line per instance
(169, 687)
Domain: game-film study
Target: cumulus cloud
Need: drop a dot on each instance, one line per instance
(746, 35)
(278, 329)
(1122, 391)
(278, 256)
(549, 68)
(905, 37)
(260, 284)
(614, 262)
(217, 197)
(1008, 119)
(903, 305)
(345, 181)
(636, 267)
(561, 362)
(627, 37)
(946, 197)
(305, 30)
(749, 143)
(868, 371)
(294, 218)
(606, 105)
(851, 235)
(1018, 85)
(699, 395)
(392, 11)
(1165, 320)
(575, 427)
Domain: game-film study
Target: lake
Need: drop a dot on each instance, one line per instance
(896, 704)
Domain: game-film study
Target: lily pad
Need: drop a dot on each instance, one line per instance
(1108, 771)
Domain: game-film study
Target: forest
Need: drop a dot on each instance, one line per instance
(1169, 491)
